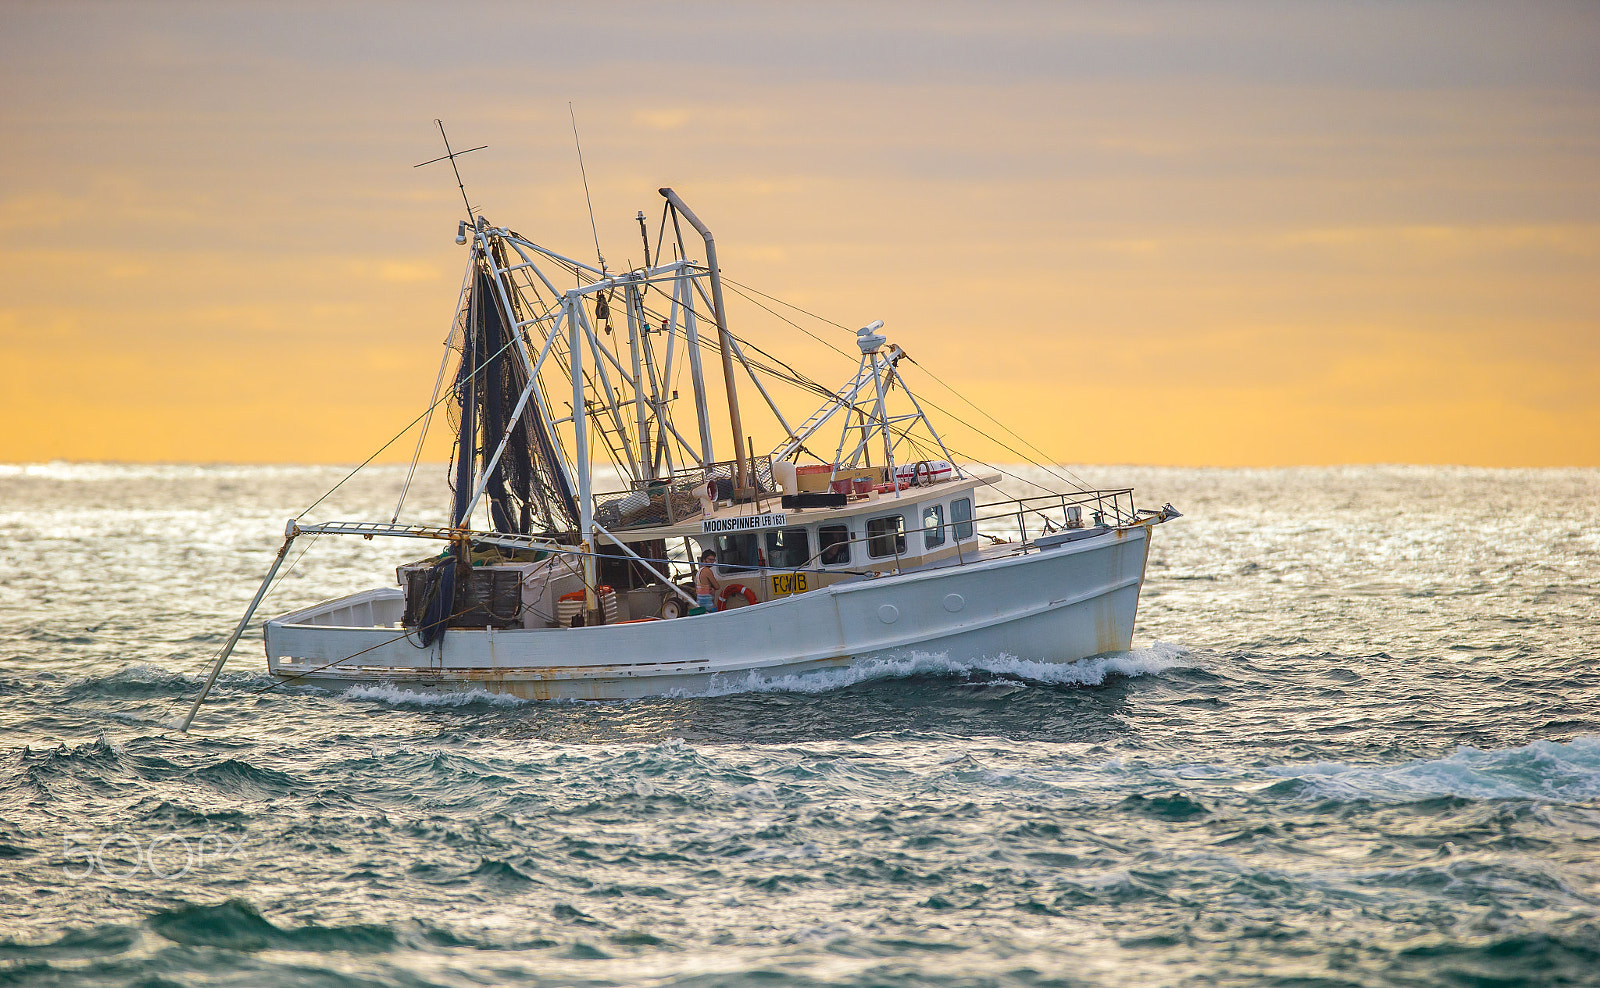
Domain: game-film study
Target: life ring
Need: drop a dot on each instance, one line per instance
(924, 475)
(732, 589)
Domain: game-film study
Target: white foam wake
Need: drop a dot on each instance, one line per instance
(395, 696)
(1085, 672)
(1542, 770)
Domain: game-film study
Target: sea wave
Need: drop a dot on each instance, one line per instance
(400, 697)
(1295, 782)
(140, 675)
(1085, 672)
(1567, 772)
(237, 925)
(1156, 659)
(143, 678)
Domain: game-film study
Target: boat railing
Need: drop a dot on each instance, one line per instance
(669, 500)
(1051, 514)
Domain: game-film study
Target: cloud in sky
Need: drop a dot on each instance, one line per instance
(1235, 233)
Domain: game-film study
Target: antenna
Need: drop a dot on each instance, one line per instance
(592, 228)
(645, 233)
(453, 155)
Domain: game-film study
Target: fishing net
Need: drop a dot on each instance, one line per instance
(527, 492)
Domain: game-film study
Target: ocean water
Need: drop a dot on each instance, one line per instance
(1357, 743)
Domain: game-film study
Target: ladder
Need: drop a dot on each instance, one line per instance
(844, 398)
(598, 411)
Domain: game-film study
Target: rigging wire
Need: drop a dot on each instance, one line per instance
(416, 455)
(1076, 482)
(796, 378)
(791, 376)
(830, 346)
(729, 281)
(406, 634)
(788, 374)
(1079, 481)
(805, 382)
(329, 492)
(800, 380)
(1075, 479)
(905, 434)
(595, 230)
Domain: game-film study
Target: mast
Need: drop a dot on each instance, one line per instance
(661, 445)
(691, 335)
(647, 463)
(466, 394)
(742, 484)
(580, 431)
(883, 413)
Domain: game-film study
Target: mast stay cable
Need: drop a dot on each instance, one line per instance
(1075, 479)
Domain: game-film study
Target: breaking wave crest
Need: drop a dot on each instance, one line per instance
(1085, 672)
(138, 677)
(143, 678)
(400, 697)
(1543, 770)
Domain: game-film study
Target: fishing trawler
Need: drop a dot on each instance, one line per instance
(858, 536)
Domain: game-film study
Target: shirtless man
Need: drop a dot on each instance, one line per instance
(706, 583)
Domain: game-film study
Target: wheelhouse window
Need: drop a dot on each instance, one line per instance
(788, 548)
(961, 517)
(834, 542)
(932, 525)
(738, 552)
(886, 536)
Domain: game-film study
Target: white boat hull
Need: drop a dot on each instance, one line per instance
(1059, 604)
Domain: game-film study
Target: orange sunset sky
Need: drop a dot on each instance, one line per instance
(1231, 233)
